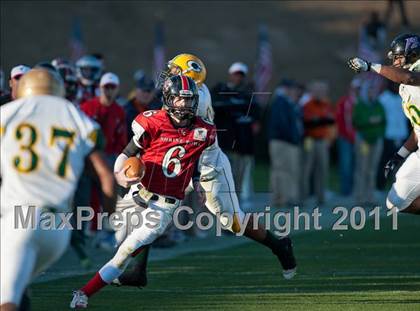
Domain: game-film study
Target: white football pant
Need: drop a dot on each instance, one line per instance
(25, 253)
(406, 187)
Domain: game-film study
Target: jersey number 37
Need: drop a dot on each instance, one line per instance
(28, 160)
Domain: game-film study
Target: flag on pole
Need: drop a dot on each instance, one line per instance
(264, 65)
(158, 50)
(77, 48)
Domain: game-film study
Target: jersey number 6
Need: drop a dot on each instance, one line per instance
(175, 161)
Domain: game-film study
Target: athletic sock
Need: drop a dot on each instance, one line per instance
(271, 242)
(102, 278)
(94, 285)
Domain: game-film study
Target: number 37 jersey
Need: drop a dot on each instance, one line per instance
(44, 141)
(169, 153)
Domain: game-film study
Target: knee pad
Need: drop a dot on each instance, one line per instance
(122, 257)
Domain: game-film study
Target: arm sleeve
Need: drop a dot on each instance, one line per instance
(131, 149)
(142, 131)
(91, 133)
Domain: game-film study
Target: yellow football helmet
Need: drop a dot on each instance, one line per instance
(40, 82)
(189, 65)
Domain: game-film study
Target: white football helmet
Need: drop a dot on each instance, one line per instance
(89, 70)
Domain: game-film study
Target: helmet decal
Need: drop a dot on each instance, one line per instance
(411, 43)
(194, 66)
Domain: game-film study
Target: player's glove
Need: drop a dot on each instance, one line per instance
(359, 64)
(392, 166)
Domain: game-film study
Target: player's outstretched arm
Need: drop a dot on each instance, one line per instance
(106, 178)
(398, 75)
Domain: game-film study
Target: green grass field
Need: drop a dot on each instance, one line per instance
(352, 270)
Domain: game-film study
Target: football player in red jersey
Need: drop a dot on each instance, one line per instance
(214, 176)
(170, 142)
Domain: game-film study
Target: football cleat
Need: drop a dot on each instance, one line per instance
(289, 274)
(286, 257)
(79, 301)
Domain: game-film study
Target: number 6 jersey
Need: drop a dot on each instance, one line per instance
(169, 153)
(44, 142)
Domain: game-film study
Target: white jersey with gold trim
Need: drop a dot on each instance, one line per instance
(411, 102)
(205, 108)
(216, 173)
(44, 142)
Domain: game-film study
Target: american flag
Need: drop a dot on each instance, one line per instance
(264, 65)
(158, 50)
(77, 48)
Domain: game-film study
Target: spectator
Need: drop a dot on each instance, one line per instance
(369, 123)
(82, 194)
(372, 38)
(346, 136)
(110, 116)
(15, 74)
(318, 119)
(237, 118)
(285, 133)
(373, 33)
(396, 130)
(89, 70)
(390, 7)
(68, 74)
(143, 99)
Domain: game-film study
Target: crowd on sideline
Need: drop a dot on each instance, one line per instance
(300, 122)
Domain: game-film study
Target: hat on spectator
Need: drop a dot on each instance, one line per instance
(238, 67)
(109, 78)
(19, 70)
(145, 84)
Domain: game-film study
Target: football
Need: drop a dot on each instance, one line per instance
(136, 169)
